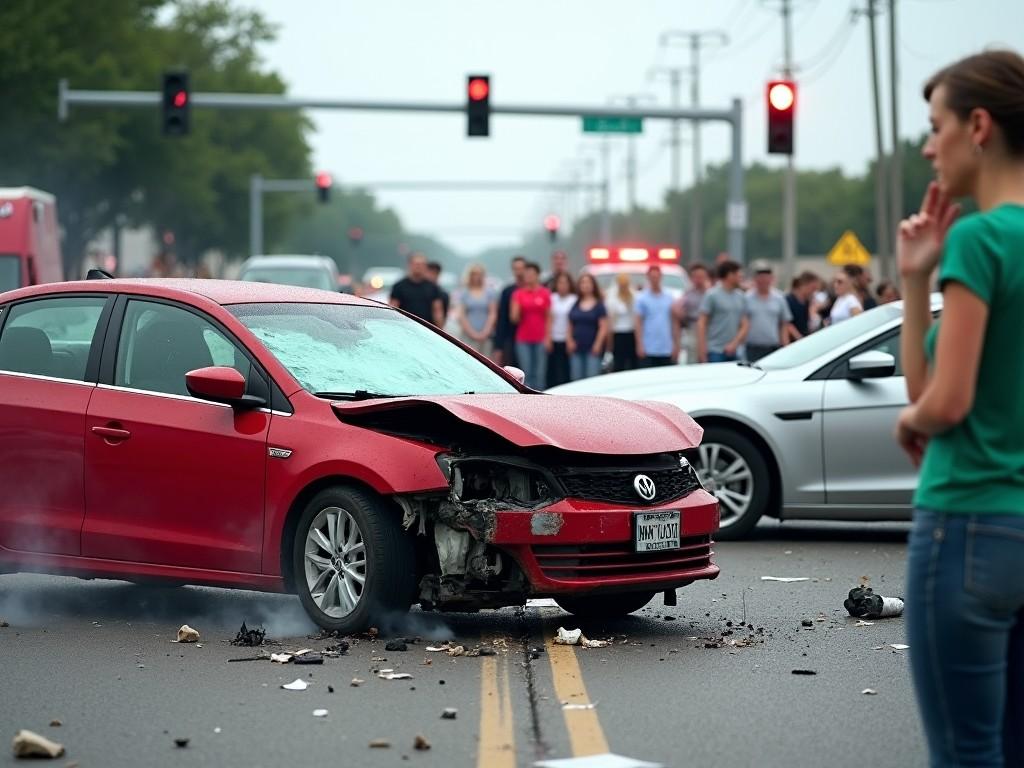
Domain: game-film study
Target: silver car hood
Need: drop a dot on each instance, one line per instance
(665, 382)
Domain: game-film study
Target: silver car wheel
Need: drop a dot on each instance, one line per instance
(728, 475)
(335, 562)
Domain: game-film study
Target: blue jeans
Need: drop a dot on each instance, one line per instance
(720, 357)
(533, 359)
(583, 365)
(965, 627)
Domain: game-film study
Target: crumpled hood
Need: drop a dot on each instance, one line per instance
(579, 424)
(663, 383)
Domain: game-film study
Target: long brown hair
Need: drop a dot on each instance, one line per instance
(993, 81)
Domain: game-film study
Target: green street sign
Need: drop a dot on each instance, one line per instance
(613, 124)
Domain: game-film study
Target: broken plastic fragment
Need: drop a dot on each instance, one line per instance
(593, 643)
(389, 675)
(308, 658)
(380, 744)
(568, 636)
(30, 744)
(420, 743)
(804, 672)
(786, 579)
(356, 682)
(449, 713)
(438, 648)
(898, 646)
(181, 743)
(296, 685)
(319, 713)
(249, 637)
(570, 707)
(862, 623)
(187, 635)
(280, 658)
(456, 650)
(869, 692)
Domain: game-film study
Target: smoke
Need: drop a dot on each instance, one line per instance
(415, 624)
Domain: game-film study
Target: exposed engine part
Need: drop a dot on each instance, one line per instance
(457, 593)
(509, 481)
(452, 549)
(483, 562)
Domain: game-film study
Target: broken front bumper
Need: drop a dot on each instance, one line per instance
(574, 546)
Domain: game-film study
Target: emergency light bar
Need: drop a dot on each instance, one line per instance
(634, 254)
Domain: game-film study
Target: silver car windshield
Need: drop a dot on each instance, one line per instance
(300, 276)
(830, 338)
(338, 348)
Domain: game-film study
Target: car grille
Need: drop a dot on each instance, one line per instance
(604, 561)
(617, 486)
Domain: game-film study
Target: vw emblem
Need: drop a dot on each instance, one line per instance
(644, 487)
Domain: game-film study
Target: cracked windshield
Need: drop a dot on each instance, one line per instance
(577, 384)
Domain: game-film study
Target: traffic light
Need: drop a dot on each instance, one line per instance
(781, 108)
(323, 186)
(355, 236)
(478, 105)
(551, 224)
(176, 103)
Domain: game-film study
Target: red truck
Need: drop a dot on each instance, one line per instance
(29, 238)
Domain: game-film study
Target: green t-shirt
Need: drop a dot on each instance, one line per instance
(977, 467)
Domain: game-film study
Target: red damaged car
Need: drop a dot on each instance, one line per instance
(278, 438)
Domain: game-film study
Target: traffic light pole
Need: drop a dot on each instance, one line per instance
(736, 212)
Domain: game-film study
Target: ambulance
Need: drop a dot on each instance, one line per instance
(29, 238)
(605, 262)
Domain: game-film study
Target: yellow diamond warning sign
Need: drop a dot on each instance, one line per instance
(848, 250)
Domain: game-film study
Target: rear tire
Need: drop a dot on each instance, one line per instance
(353, 565)
(604, 606)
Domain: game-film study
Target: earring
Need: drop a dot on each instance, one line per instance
(978, 149)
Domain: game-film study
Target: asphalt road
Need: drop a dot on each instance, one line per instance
(98, 657)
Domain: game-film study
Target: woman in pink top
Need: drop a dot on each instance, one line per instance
(530, 310)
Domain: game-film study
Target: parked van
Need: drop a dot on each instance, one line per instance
(29, 238)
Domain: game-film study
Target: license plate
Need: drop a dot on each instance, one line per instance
(656, 531)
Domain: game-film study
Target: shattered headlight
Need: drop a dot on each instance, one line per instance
(691, 472)
(508, 481)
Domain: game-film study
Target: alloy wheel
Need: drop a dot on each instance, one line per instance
(335, 562)
(728, 476)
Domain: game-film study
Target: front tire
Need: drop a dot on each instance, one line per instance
(732, 468)
(604, 606)
(353, 565)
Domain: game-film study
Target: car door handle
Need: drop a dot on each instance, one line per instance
(112, 434)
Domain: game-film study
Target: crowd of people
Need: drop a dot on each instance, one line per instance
(559, 327)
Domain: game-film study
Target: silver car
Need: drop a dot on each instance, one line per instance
(805, 433)
(305, 271)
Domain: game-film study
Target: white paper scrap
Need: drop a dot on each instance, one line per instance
(319, 713)
(898, 646)
(785, 579)
(297, 685)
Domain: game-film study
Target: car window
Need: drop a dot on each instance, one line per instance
(51, 337)
(829, 339)
(344, 348)
(304, 277)
(160, 343)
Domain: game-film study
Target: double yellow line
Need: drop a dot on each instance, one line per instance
(497, 732)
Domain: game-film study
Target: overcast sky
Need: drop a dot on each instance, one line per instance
(586, 52)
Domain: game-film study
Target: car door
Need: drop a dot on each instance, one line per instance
(172, 479)
(864, 467)
(49, 356)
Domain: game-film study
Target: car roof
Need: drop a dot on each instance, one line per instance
(219, 291)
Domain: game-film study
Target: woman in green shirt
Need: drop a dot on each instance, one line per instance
(965, 424)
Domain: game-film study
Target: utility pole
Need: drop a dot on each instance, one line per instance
(896, 166)
(881, 214)
(606, 190)
(632, 100)
(695, 40)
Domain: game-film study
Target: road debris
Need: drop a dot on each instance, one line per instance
(396, 645)
(786, 579)
(380, 744)
(570, 707)
(249, 638)
(356, 682)
(806, 623)
(320, 713)
(280, 658)
(898, 646)
(862, 623)
(259, 657)
(308, 657)
(296, 685)
(568, 636)
(863, 603)
(804, 672)
(390, 674)
(56, 723)
(187, 635)
(31, 744)
(449, 713)
(337, 650)
(869, 692)
(181, 743)
(420, 743)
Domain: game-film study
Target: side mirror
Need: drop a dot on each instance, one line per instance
(221, 384)
(871, 365)
(516, 373)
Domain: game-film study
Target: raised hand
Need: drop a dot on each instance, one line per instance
(922, 234)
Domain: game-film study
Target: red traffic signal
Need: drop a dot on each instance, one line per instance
(175, 103)
(478, 105)
(323, 186)
(355, 235)
(781, 98)
(551, 224)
